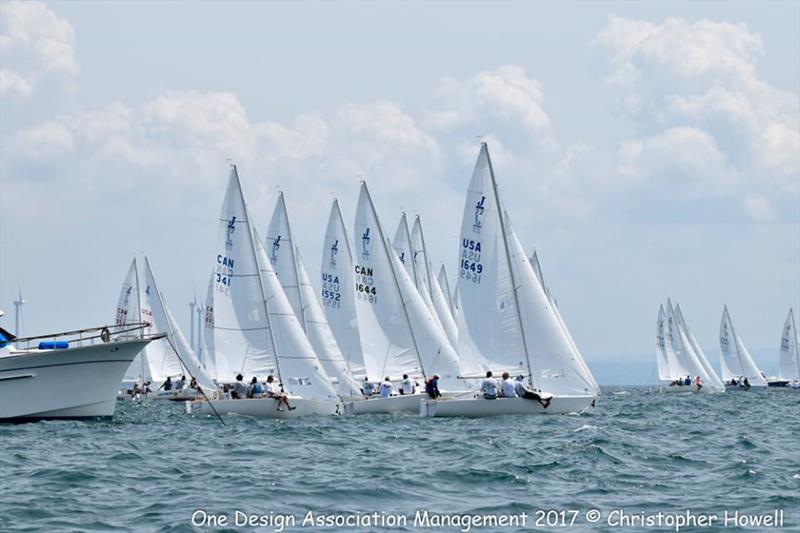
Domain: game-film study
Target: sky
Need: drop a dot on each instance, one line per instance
(646, 150)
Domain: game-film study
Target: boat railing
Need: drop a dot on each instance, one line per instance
(82, 337)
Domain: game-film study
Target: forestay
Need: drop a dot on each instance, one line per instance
(288, 265)
(789, 358)
(338, 293)
(399, 333)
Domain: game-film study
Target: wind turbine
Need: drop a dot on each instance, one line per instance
(18, 303)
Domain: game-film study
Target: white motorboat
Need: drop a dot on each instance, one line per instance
(69, 375)
(504, 318)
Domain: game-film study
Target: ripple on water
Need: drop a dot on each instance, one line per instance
(640, 448)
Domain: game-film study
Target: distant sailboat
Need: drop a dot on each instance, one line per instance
(739, 371)
(444, 283)
(338, 292)
(505, 320)
(711, 376)
(789, 356)
(254, 330)
(289, 267)
(399, 333)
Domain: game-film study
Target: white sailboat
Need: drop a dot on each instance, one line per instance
(789, 356)
(399, 334)
(505, 320)
(157, 361)
(713, 379)
(678, 361)
(288, 265)
(164, 322)
(739, 371)
(427, 284)
(255, 331)
(338, 292)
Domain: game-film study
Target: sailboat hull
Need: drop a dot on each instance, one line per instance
(266, 407)
(705, 389)
(479, 407)
(76, 383)
(408, 403)
(754, 388)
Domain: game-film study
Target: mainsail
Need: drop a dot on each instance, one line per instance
(338, 293)
(789, 358)
(165, 322)
(399, 333)
(288, 265)
(255, 328)
(735, 360)
(505, 320)
(427, 284)
(128, 312)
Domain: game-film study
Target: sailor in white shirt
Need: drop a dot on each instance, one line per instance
(407, 387)
(386, 388)
(489, 387)
(508, 386)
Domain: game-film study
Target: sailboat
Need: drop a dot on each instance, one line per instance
(505, 320)
(444, 283)
(679, 358)
(427, 284)
(338, 293)
(291, 271)
(254, 330)
(788, 356)
(157, 360)
(739, 371)
(399, 334)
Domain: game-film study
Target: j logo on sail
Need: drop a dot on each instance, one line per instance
(229, 237)
(365, 238)
(276, 244)
(334, 251)
(403, 257)
(479, 212)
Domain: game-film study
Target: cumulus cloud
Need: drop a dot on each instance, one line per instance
(758, 208)
(36, 43)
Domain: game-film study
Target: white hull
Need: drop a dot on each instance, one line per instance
(181, 395)
(266, 407)
(479, 407)
(705, 389)
(74, 383)
(732, 388)
(394, 404)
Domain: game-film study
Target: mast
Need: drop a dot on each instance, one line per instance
(735, 343)
(192, 305)
(424, 255)
(143, 353)
(502, 215)
(258, 275)
(396, 283)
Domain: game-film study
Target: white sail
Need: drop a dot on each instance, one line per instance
(504, 317)
(789, 358)
(288, 265)
(161, 357)
(402, 246)
(242, 342)
(712, 376)
(537, 269)
(687, 354)
(128, 313)
(662, 361)
(427, 284)
(735, 359)
(165, 322)
(444, 283)
(337, 293)
(399, 333)
(299, 369)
